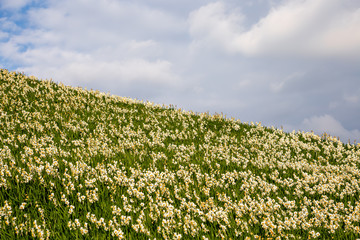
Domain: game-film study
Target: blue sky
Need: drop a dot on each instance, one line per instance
(290, 63)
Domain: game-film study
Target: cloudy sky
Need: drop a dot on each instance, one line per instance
(290, 63)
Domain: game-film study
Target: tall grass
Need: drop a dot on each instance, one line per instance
(80, 164)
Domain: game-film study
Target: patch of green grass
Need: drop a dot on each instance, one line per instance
(80, 164)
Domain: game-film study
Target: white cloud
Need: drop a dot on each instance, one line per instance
(79, 42)
(3, 35)
(328, 124)
(75, 68)
(14, 4)
(104, 22)
(8, 26)
(214, 24)
(320, 28)
(140, 45)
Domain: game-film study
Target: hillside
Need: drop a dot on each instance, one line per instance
(76, 163)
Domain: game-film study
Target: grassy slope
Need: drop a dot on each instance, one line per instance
(78, 163)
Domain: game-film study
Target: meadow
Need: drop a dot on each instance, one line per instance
(82, 164)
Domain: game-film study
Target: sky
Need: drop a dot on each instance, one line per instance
(291, 64)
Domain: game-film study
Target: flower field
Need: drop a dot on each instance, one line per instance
(81, 164)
